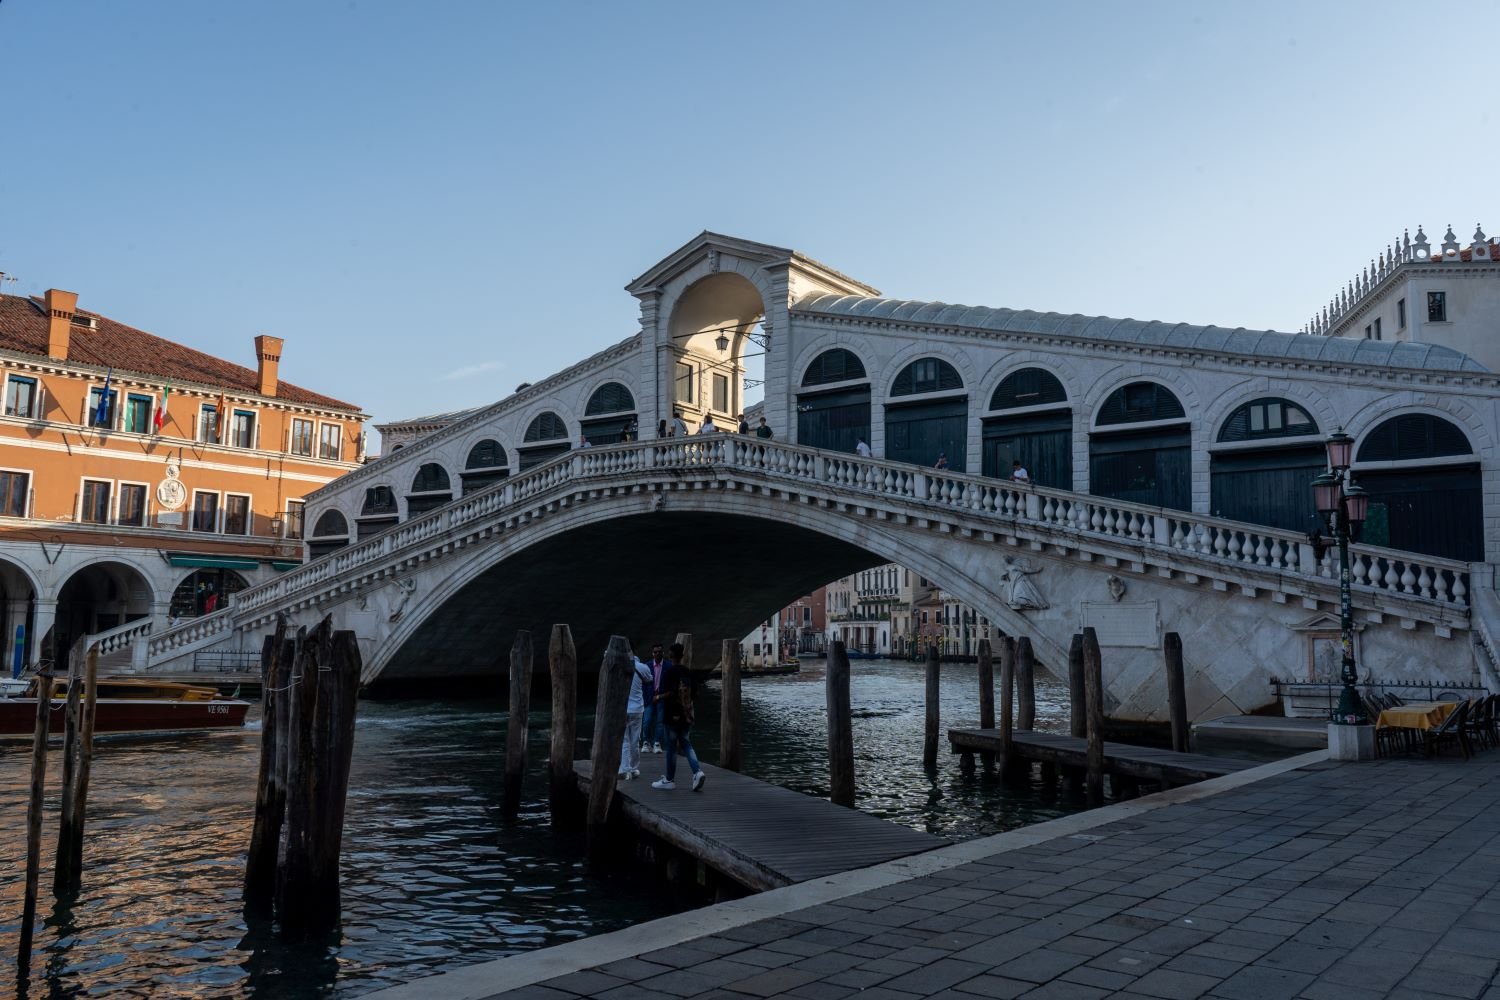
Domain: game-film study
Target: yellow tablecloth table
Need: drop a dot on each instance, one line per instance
(1422, 715)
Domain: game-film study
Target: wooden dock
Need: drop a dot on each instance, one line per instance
(1159, 766)
(758, 834)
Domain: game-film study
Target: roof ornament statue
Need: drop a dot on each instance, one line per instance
(1419, 246)
(1450, 244)
(1480, 249)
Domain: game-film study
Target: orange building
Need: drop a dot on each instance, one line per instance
(141, 478)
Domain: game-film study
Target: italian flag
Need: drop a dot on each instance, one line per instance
(161, 409)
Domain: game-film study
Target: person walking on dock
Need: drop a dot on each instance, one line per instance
(676, 697)
(630, 751)
(651, 732)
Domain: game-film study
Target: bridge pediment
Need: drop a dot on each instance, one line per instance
(713, 248)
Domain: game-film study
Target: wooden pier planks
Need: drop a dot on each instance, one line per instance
(761, 835)
(1145, 763)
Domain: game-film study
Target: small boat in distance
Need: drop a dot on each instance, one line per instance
(129, 705)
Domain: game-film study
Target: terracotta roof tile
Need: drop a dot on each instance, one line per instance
(23, 328)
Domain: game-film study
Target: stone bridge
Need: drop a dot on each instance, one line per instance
(1174, 458)
(627, 537)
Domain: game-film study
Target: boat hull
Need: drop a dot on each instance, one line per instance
(18, 716)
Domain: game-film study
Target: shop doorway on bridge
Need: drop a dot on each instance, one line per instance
(837, 415)
(1031, 424)
(610, 415)
(1425, 489)
(933, 421)
(205, 591)
(330, 533)
(430, 488)
(1141, 448)
(378, 512)
(1268, 452)
(95, 598)
(546, 438)
(486, 465)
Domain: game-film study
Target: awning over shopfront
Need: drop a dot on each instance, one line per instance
(211, 562)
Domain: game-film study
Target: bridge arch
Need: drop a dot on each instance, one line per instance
(98, 596)
(710, 316)
(330, 531)
(927, 407)
(379, 509)
(833, 400)
(431, 487)
(1140, 445)
(513, 583)
(1263, 456)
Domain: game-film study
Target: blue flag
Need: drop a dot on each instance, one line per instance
(101, 412)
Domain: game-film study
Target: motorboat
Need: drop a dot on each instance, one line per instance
(126, 705)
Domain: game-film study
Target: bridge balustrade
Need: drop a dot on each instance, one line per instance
(1081, 515)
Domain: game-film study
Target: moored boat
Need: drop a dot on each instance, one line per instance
(131, 705)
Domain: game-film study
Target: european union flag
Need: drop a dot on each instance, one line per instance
(101, 412)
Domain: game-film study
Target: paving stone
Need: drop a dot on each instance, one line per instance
(821, 990)
(997, 987)
(773, 982)
(938, 975)
(1058, 990)
(1173, 985)
(586, 983)
(1257, 982)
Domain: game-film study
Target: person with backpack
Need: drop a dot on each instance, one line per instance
(675, 695)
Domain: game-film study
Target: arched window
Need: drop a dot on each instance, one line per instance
(330, 522)
(486, 454)
(611, 397)
(836, 365)
(1137, 403)
(926, 375)
(547, 426)
(379, 500)
(431, 478)
(1413, 436)
(1267, 418)
(1027, 387)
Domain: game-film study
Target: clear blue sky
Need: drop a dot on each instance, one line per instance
(433, 202)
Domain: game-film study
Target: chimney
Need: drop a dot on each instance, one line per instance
(267, 361)
(60, 306)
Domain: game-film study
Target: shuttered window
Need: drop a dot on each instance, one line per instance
(1267, 418)
(611, 397)
(330, 522)
(1413, 436)
(379, 500)
(837, 365)
(926, 375)
(547, 426)
(1139, 402)
(486, 455)
(1027, 387)
(430, 478)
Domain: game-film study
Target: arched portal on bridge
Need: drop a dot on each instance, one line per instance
(927, 415)
(379, 510)
(1141, 448)
(1426, 494)
(714, 329)
(1030, 422)
(431, 487)
(1262, 466)
(97, 597)
(833, 408)
(486, 465)
(610, 415)
(330, 532)
(546, 438)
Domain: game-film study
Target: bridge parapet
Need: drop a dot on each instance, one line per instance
(1177, 543)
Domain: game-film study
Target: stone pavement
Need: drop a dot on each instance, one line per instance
(1335, 880)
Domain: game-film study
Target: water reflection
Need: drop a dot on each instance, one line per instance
(432, 877)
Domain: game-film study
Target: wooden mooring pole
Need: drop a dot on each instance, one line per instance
(72, 709)
(930, 743)
(1176, 692)
(729, 705)
(986, 693)
(521, 662)
(1007, 702)
(609, 737)
(34, 821)
(840, 729)
(1077, 711)
(276, 655)
(1093, 685)
(68, 875)
(562, 665)
(1025, 686)
(320, 745)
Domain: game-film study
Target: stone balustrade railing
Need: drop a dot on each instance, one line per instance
(1194, 536)
(120, 637)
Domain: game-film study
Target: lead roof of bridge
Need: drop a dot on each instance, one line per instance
(1186, 336)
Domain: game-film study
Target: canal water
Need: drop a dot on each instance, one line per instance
(433, 879)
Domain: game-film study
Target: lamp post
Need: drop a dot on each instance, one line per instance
(1343, 506)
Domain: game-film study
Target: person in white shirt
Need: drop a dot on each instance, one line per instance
(679, 428)
(1018, 473)
(708, 426)
(862, 449)
(635, 707)
(583, 441)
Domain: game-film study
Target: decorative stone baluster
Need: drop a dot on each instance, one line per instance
(1460, 592)
(1424, 583)
(1262, 554)
(1392, 578)
(1408, 579)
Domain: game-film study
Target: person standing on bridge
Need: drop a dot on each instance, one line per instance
(942, 461)
(744, 425)
(862, 449)
(707, 427)
(679, 428)
(676, 697)
(630, 751)
(1018, 473)
(764, 430)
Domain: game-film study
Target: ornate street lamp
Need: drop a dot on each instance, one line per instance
(1343, 506)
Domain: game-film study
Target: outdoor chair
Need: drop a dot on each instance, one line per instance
(1481, 724)
(1393, 700)
(1390, 738)
(1451, 731)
